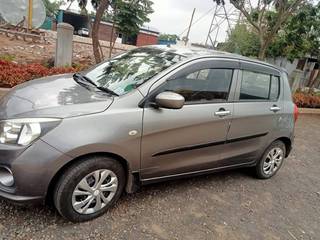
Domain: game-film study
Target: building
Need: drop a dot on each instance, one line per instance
(146, 35)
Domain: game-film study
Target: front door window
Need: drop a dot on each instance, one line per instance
(205, 85)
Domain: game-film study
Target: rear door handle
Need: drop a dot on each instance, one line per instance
(275, 108)
(222, 112)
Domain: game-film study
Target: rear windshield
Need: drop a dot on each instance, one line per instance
(127, 71)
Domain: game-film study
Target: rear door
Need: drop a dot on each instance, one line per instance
(190, 139)
(257, 112)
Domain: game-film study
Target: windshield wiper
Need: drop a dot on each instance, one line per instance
(107, 90)
(81, 79)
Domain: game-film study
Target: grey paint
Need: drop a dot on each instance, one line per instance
(3, 91)
(165, 142)
(170, 100)
(57, 96)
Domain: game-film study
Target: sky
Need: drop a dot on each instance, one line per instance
(173, 17)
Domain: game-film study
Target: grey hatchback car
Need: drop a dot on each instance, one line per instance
(147, 115)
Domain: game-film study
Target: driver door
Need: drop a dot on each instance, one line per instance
(190, 139)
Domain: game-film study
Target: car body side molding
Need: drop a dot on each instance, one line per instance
(198, 146)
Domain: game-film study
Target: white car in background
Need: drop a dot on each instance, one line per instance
(83, 32)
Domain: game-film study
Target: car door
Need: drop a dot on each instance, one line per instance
(257, 112)
(190, 139)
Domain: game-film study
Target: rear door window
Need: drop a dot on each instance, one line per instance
(275, 88)
(259, 86)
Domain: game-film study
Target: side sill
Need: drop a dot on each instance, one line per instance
(195, 173)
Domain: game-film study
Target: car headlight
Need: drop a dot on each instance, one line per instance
(25, 131)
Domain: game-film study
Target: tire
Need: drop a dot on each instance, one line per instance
(100, 173)
(266, 167)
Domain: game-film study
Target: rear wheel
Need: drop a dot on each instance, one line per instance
(271, 161)
(87, 189)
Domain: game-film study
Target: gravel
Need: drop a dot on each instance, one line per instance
(228, 205)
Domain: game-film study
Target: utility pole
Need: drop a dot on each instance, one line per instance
(30, 8)
(191, 20)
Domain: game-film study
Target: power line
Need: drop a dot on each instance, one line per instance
(205, 14)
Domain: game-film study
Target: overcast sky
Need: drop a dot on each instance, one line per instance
(173, 16)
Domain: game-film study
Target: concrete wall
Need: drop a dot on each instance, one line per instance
(284, 63)
(299, 78)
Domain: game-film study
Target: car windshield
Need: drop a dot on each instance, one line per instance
(125, 72)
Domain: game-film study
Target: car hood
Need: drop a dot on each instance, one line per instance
(56, 96)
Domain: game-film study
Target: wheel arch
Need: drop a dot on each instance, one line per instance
(288, 144)
(131, 178)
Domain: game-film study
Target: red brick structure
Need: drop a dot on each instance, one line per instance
(105, 30)
(145, 37)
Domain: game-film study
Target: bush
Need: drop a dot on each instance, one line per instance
(7, 57)
(12, 74)
(306, 100)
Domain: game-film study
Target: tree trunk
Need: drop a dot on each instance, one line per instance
(95, 29)
(262, 52)
(264, 44)
(112, 39)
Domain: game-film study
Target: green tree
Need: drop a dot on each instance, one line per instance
(169, 37)
(52, 7)
(266, 17)
(300, 35)
(242, 40)
(128, 16)
(101, 7)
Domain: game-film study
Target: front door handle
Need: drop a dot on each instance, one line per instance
(222, 112)
(275, 108)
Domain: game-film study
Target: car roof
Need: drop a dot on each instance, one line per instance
(197, 52)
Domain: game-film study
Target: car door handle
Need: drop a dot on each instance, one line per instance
(275, 108)
(222, 112)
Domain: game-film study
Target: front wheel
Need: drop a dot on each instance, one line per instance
(271, 161)
(87, 189)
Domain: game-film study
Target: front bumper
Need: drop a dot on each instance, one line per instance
(21, 200)
(33, 169)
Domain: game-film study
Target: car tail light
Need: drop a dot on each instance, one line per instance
(295, 113)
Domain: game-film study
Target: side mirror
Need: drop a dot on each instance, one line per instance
(170, 100)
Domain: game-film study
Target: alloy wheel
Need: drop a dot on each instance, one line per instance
(273, 161)
(94, 191)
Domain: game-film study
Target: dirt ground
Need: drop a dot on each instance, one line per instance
(229, 205)
(29, 52)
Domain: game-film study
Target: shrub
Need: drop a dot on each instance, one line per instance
(306, 100)
(12, 74)
(7, 57)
